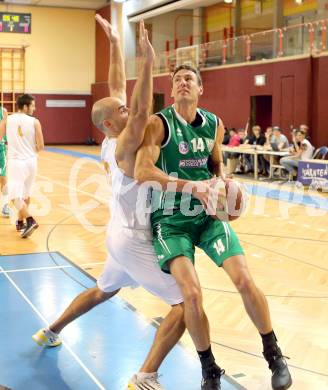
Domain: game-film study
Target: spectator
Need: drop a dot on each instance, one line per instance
(234, 138)
(305, 129)
(256, 138)
(268, 136)
(233, 142)
(305, 152)
(242, 135)
(275, 141)
(279, 139)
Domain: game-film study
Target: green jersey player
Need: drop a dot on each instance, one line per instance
(3, 168)
(184, 142)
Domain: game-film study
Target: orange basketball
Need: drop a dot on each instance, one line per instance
(236, 199)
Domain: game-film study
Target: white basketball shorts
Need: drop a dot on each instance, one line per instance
(132, 262)
(21, 176)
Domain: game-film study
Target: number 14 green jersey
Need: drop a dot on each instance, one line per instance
(185, 152)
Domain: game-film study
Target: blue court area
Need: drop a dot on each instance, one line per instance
(101, 349)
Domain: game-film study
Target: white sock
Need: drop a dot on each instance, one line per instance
(144, 375)
(51, 333)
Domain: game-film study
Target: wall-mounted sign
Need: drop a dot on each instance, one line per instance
(260, 80)
(66, 103)
(11, 22)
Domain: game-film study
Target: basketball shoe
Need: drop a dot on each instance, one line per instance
(143, 381)
(46, 338)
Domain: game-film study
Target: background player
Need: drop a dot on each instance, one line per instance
(3, 168)
(25, 140)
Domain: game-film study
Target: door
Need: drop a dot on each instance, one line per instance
(261, 111)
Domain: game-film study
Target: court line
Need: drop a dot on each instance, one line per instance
(261, 357)
(284, 237)
(255, 188)
(79, 361)
(49, 267)
(287, 256)
(267, 295)
(98, 198)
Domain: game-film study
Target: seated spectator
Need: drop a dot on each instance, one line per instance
(234, 138)
(233, 142)
(295, 145)
(256, 138)
(268, 136)
(279, 139)
(242, 135)
(276, 142)
(305, 152)
(305, 129)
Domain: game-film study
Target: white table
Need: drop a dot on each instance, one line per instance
(255, 151)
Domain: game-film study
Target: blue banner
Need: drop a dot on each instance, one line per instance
(313, 173)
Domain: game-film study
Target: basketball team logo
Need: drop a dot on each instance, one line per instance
(210, 144)
(183, 147)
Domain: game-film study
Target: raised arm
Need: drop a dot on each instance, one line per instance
(116, 73)
(132, 136)
(216, 159)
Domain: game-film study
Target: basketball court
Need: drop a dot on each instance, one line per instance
(261, 62)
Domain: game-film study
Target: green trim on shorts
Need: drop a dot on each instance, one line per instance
(177, 235)
(171, 247)
(3, 163)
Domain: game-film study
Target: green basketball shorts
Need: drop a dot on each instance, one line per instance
(3, 163)
(177, 235)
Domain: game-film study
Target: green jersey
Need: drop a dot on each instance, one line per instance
(3, 141)
(185, 154)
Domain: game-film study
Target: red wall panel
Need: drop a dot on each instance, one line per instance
(228, 91)
(287, 103)
(319, 101)
(64, 125)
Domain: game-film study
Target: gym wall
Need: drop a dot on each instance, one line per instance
(59, 65)
(298, 88)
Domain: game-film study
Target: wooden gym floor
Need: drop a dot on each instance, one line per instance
(286, 246)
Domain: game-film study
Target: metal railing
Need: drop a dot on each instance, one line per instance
(307, 38)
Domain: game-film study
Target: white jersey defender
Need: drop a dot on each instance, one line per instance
(22, 155)
(131, 258)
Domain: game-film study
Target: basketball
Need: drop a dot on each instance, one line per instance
(236, 199)
(231, 199)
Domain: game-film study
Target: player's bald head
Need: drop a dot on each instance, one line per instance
(103, 109)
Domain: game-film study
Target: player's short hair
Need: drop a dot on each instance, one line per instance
(192, 69)
(23, 100)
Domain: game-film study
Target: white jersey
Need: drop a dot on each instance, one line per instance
(307, 154)
(20, 130)
(129, 199)
(131, 259)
